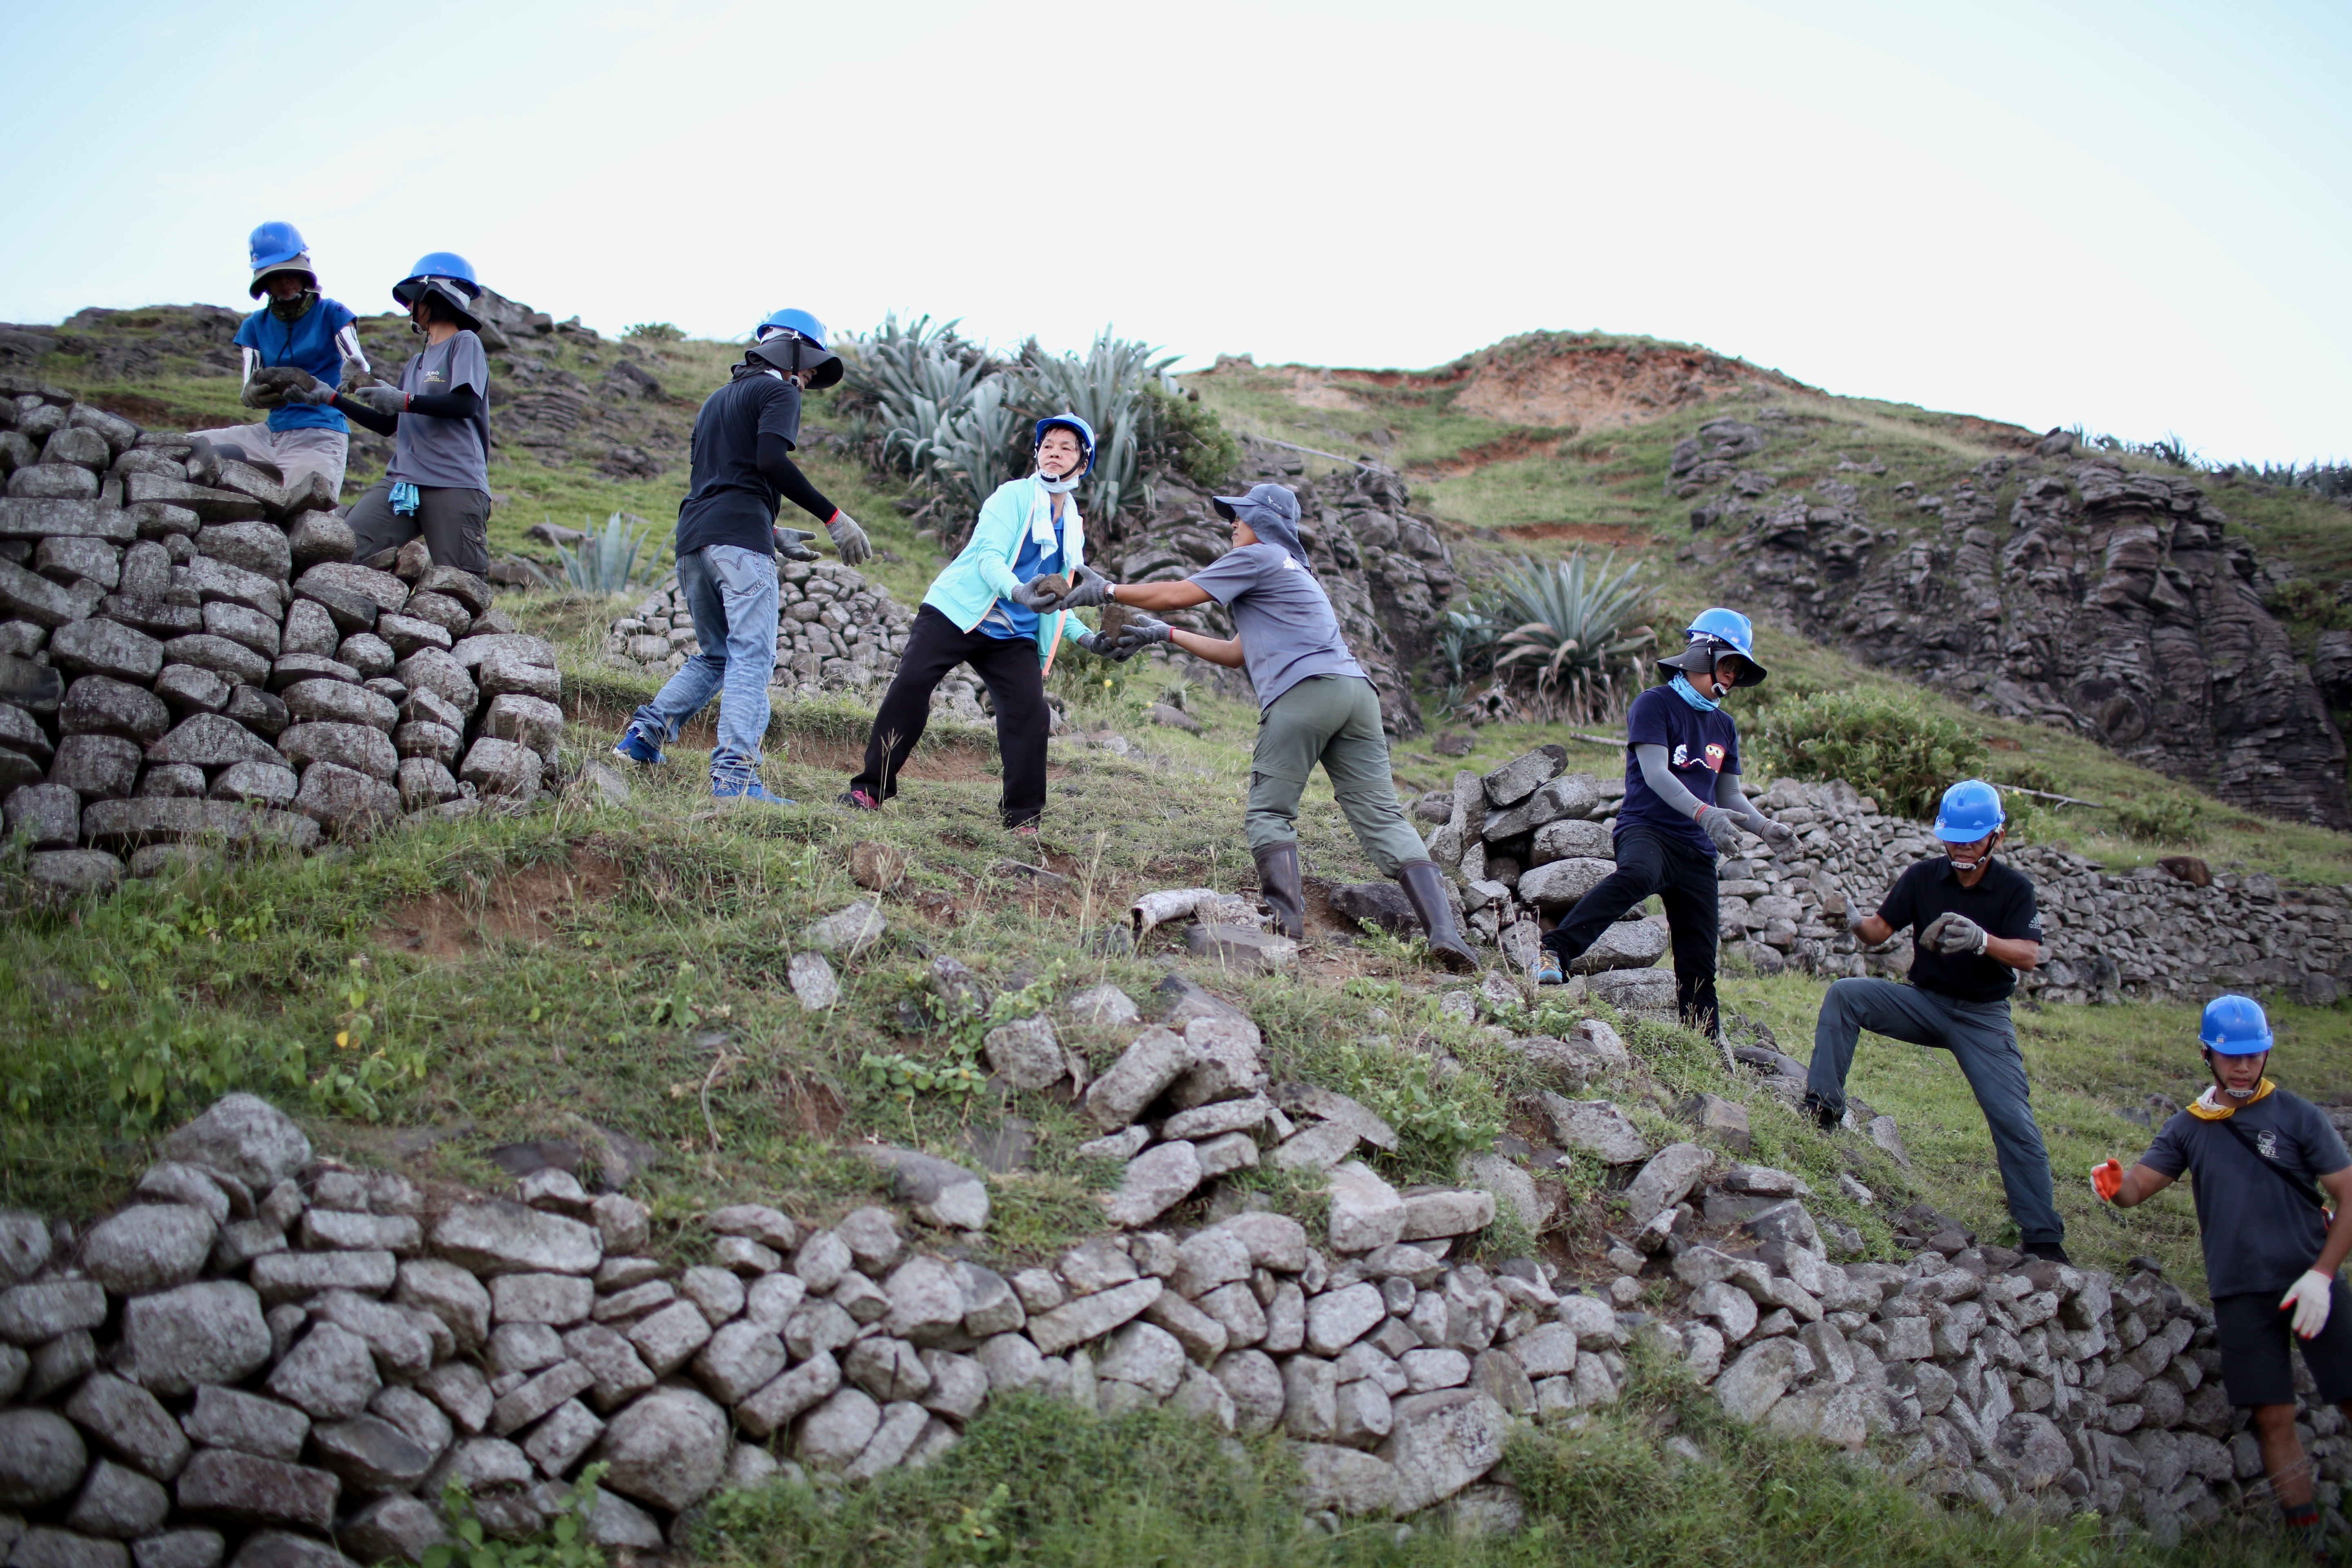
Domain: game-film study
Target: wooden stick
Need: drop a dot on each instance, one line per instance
(1313, 452)
(2059, 799)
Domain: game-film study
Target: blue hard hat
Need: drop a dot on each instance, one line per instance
(446, 276)
(1970, 810)
(1711, 636)
(2234, 1026)
(1076, 427)
(278, 247)
(794, 341)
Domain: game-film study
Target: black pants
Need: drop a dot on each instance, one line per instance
(1684, 878)
(1008, 667)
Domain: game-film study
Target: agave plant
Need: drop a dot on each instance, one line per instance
(603, 563)
(1575, 629)
(1106, 387)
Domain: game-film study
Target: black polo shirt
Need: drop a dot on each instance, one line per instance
(2001, 902)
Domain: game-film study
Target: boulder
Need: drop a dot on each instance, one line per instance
(149, 1247)
(1596, 1126)
(246, 1137)
(668, 1448)
(211, 1332)
(41, 1458)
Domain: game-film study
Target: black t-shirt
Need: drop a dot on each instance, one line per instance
(731, 501)
(2001, 902)
(2258, 1234)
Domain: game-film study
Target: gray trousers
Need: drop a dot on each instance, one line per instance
(455, 523)
(1981, 1038)
(1334, 721)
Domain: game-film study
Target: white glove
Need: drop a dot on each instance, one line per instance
(849, 539)
(2310, 1298)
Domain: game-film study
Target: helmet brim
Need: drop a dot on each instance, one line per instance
(1701, 657)
(2237, 1047)
(408, 290)
(265, 272)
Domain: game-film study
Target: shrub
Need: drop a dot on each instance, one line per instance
(605, 562)
(2161, 819)
(1573, 629)
(1890, 747)
(654, 332)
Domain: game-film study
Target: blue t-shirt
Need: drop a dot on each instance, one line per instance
(308, 343)
(1008, 620)
(1699, 746)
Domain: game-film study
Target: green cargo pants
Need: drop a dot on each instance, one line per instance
(1334, 721)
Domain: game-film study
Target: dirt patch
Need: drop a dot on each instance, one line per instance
(1562, 384)
(151, 413)
(1470, 459)
(523, 905)
(1610, 533)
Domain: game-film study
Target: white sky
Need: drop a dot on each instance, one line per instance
(2134, 216)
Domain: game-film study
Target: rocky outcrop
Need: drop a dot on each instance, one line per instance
(189, 657)
(2104, 601)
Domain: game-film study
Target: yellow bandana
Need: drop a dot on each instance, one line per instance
(2207, 1106)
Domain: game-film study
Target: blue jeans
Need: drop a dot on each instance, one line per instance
(1983, 1041)
(731, 592)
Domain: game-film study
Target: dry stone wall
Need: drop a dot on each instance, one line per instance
(188, 655)
(1528, 840)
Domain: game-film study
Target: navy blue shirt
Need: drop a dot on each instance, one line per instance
(1699, 746)
(2258, 1234)
(731, 500)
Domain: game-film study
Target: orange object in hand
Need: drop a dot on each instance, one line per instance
(2107, 1179)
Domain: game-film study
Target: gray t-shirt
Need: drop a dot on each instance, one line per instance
(2258, 1234)
(445, 453)
(1282, 617)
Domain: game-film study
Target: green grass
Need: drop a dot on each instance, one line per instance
(1033, 1483)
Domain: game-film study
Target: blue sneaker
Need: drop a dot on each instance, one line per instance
(746, 789)
(636, 746)
(1548, 969)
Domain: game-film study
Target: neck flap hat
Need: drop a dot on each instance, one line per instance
(1272, 512)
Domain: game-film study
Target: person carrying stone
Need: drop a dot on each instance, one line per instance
(1977, 930)
(1683, 808)
(1316, 705)
(300, 340)
(994, 608)
(727, 543)
(438, 485)
(2253, 1153)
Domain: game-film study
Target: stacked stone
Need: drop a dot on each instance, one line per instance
(835, 631)
(2111, 603)
(1387, 570)
(1529, 839)
(187, 656)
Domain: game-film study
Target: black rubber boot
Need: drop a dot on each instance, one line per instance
(1277, 882)
(1425, 888)
(2050, 1250)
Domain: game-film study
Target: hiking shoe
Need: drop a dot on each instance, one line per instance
(858, 800)
(746, 789)
(634, 745)
(1548, 970)
(1820, 1114)
(2050, 1250)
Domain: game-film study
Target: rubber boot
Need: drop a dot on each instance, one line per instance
(1277, 882)
(1425, 888)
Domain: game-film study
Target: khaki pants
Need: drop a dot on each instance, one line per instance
(1334, 721)
(295, 452)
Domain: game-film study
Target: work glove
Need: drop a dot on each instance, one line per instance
(2309, 1298)
(1717, 825)
(1140, 633)
(2107, 1179)
(791, 543)
(1950, 933)
(1778, 834)
(848, 539)
(354, 375)
(260, 394)
(1097, 644)
(384, 397)
(1087, 589)
(317, 394)
(1035, 595)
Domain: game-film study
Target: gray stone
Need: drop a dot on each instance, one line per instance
(223, 656)
(371, 1454)
(149, 1247)
(258, 547)
(1665, 1182)
(1338, 1319)
(30, 1314)
(1225, 1063)
(668, 1338)
(312, 537)
(1152, 1062)
(1366, 1212)
(719, 1292)
(130, 1422)
(407, 635)
(776, 1404)
(560, 1300)
(373, 656)
(1558, 886)
(1329, 1105)
(1641, 992)
(223, 1483)
(382, 589)
(95, 768)
(813, 982)
(294, 1276)
(460, 1388)
(60, 1363)
(430, 669)
(497, 767)
(72, 873)
(616, 1522)
(207, 1332)
(173, 781)
(344, 800)
(1626, 945)
(394, 1529)
(258, 712)
(331, 1374)
(61, 558)
(41, 1458)
(102, 705)
(520, 1407)
(620, 1374)
(1751, 1385)
(526, 721)
(1102, 1006)
(520, 1349)
(1442, 1442)
(42, 1547)
(402, 1341)
(886, 1368)
(832, 1435)
(1090, 1317)
(502, 1237)
(559, 1441)
(451, 1294)
(49, 817)
(245, 1136)
(1596, 1126)
(939, 1192)
(848, 931)
(740, 1358)
(363, 748)
(669, 1448)
(179, 1549)
(240, 624)
(482, 1464)
(1431, 1213)
(324, 699)
(1026, 1053)
(1347, 1481)
(23, 1252)
(1155, 1181)
(230, 1418)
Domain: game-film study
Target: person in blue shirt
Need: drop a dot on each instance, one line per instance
(300, 331)
(1683, 808)
(984, 610)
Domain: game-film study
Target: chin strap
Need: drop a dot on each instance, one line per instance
(1060, 487)
(2207, 1106)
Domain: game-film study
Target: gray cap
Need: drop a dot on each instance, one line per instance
(1272, 512)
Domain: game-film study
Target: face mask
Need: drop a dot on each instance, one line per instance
(1690, 694)
(296, 308)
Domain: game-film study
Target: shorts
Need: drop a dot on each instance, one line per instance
(2255, 1336)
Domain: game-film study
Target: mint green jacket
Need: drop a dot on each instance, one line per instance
(981, 573)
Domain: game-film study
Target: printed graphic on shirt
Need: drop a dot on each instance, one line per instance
(2266, 1142)
(1715, 754)
(1715, 757)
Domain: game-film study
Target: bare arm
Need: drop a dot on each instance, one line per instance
(2339, 1235)
(1227, 651)
(1162, 596)
(1872, 931)
(2142, 1183)
(2017, 951)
